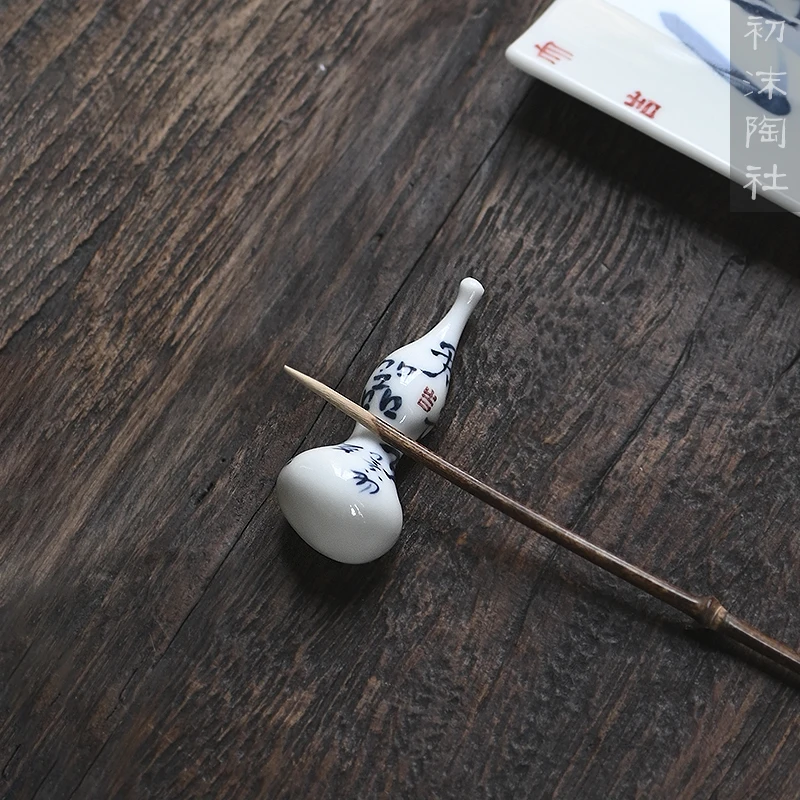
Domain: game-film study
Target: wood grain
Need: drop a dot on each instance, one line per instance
(707, 612)
(194, 193)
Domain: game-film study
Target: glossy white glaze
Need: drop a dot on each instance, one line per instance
(342, 498)
(666, 67)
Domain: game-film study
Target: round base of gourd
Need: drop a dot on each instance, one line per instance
(332, 513)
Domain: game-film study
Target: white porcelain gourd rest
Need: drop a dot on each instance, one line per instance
(342, 499)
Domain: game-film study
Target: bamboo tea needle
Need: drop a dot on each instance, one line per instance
(707, 611)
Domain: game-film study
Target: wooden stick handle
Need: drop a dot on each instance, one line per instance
(706, 611)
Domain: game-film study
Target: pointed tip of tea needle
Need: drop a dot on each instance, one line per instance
(346, 406)
(707, 611)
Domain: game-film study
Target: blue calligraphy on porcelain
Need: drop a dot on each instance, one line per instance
(342, 499)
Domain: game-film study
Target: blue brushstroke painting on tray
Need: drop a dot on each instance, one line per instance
(710, 78)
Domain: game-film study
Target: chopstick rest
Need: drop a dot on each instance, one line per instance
(342, 499)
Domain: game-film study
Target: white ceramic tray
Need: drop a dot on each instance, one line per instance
(668, 68)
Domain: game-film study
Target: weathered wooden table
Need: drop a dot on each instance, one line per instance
(193, 194)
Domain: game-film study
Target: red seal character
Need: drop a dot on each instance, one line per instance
(426, 399)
